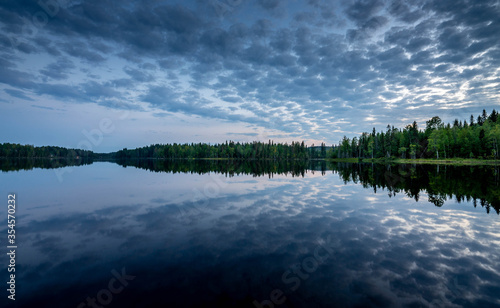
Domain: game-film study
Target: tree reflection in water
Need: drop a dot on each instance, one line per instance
(476, 184)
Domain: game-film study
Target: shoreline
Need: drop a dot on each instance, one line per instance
(421, 161)
(426, 161)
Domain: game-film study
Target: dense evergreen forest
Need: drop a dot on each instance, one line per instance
(230, 150)
(12, 150)
(476, 138)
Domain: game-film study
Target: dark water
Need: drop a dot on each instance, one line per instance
(222, 234)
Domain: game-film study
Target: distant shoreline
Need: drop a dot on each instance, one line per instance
(427, 161)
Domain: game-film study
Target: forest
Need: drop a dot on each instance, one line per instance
(476, 138)
(12, 150)
(228, 150)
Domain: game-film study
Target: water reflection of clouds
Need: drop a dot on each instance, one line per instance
(388, 251)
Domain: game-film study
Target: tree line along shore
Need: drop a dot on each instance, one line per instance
(465, 141)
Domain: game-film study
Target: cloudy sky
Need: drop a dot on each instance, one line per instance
(113, 74)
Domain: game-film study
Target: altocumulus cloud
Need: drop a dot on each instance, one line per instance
(312, 70)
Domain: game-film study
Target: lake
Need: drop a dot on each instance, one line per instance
(253, 234)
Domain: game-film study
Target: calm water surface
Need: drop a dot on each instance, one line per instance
(354, 236)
